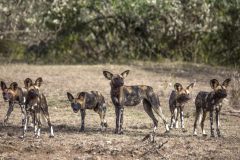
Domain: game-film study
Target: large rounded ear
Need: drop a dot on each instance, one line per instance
(214, 83)
(39, 81)
(178, 87)
(81, 95)
(190, 86)
(107, 75)
(125, 73)
(27, 82)
(14, 86)
(3, 85)
(70, 97)
(226, 82)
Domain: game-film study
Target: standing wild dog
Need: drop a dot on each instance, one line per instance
(210, 102)
(178, 98)
(36, 104)
(122, 95)
(13, 95)
(93, 100)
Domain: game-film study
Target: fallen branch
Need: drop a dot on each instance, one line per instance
(153, 149)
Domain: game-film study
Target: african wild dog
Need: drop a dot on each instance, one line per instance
(210, 102)
(122, 95)
(93, 100)
(178, 98)
(13, 94)
(36, 104)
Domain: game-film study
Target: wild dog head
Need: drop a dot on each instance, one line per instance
(78, 102)
(183, 93)
(10, 92)
(220, 90)
(117, 80)
(33, 88)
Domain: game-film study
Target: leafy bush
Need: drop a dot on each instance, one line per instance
(95, 31)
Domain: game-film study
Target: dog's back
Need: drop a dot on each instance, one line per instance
(206, 101)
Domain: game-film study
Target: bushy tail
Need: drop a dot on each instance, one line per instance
(155, 104)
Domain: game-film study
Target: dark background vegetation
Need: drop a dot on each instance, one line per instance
(99, 31)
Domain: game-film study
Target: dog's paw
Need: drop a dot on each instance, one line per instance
(51, 136)
(81, 129)
(204, 135)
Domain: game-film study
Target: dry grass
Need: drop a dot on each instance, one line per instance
(69, 144)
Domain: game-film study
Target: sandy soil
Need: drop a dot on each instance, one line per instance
(68, 143)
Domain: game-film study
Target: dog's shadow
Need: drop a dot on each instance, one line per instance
(63, 128)
(16, 130)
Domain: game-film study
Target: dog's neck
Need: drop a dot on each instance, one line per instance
(115, 90)
(213, 99)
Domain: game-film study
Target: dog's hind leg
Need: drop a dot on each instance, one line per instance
(202, 123)
(47, 117)
(148, 109)
(172, 118)
(101, 111)
(45, 113)
(197, 116)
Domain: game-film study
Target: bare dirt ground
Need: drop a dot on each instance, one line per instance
(68, 143)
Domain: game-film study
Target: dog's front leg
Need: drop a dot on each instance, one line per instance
(182, 117)
(217, 122)
(83, 114)
(23, 114)
(34, 123)
(211, 123)
(25, 124)
(10, 109)
(121, 120)
(176, 120)
(118, 119)
(39, 124)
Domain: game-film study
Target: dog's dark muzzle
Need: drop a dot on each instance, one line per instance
(117, 82)
(6, 100)
(184, 98)
(75, 107)
(33, 93)
(222, 94)
(6, 97)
